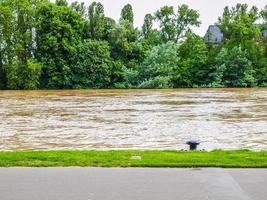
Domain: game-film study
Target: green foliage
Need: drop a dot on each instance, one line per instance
(80, 8)
(59, 30)
(234, 69)
(127, 14)
(60, 46)
(159, 82)
(174, 26)
(24, 76)
(18, 68)
(123, 41)
(238, 23)
(147, 27)
(94, 65)
(96, 21)
(160, 64)
(193, 64)
(6, 49)
(130, 78)
(150, 37)
(239, 27)
(61, 2)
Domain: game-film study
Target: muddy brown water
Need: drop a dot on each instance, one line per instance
(133, 119)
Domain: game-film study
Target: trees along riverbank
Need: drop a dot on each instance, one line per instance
(45, 45)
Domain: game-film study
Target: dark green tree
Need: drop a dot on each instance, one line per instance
(150, 37)
(80, 8)
(193, 55)
(147, 27)
(123, 40)
(20, 70)
(6, 50)
(94, 66)
(127, 14)
(96, 21)
(62, 2)
(59, 32)
(264, 15)
(233, 69)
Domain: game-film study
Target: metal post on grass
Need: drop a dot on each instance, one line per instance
(193, 144)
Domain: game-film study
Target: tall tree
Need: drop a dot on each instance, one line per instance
(79, 7)
(59, 32)
(21, 71)
(6, 50)
(264, 14)
(239, 27)
(150, 36)
(96, 21)
(62, 2)
(147, 27)
(123, 39)
(165, 17)
(193, 55)
(175, 25)
(238, 23)
(127, 14)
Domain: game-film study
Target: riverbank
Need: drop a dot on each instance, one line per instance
(124, 158)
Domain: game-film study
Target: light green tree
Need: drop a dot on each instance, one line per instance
(159, 67)
(239, 27)
(17, 35)
(175, 25)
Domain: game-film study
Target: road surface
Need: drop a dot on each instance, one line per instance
(132, 184)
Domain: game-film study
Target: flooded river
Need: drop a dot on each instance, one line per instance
(133, 119)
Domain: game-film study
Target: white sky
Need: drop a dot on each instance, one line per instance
(209, 10)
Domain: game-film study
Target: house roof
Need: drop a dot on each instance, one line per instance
(265, 33)
(214, 34)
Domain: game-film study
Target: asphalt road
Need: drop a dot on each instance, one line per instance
(132, 184)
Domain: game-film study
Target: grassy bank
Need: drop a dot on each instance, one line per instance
(218, 158)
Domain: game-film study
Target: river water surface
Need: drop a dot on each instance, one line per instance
(133, 119)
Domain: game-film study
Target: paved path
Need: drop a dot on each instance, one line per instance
(132, 184)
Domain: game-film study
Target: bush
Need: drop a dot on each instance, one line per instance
(233, 69)
(158, 82)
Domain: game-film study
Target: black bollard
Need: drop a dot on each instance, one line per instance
(193, 144)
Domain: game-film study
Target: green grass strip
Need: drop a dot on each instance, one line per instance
(217, 158)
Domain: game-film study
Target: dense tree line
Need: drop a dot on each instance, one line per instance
(59, 45)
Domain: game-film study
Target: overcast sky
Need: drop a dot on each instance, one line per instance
(209, 9)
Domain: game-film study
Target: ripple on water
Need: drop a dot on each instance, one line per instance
(133, 119)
